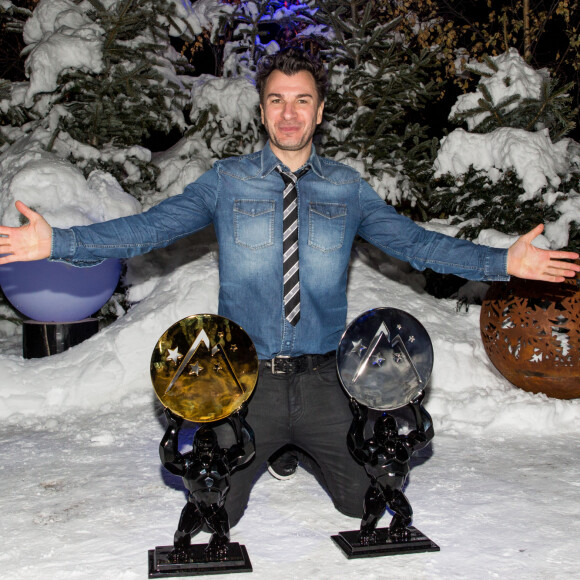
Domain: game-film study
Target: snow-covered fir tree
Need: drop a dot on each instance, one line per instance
(259, 27)
(102, 75)
(506, 178)
(543, 105)
(378, 85)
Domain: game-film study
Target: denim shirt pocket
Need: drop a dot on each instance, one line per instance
(254, 223)
(326, 225)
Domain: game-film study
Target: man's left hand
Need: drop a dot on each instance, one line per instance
(527, 261)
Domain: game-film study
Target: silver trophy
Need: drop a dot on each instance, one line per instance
(384, 360)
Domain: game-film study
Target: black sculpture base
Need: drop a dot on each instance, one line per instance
(160, 566)
(40, 339)
(385, 545)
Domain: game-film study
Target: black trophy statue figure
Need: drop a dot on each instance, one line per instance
(384, 361)
(385, 457)
(206, 471)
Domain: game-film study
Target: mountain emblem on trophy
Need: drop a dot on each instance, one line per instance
(385, 358)
(204, 367)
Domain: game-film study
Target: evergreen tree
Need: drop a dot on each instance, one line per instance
(551, 108)
(12, 19)
(473, 199)
(128, 99)
(243, 31)
(136, 93)
(377, 87)
(478, 203)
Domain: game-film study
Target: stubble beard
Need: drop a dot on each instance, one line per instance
(304, 142)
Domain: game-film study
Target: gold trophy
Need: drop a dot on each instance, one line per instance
(204, 369)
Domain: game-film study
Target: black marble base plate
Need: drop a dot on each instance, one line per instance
(385, 545)
(236, 560)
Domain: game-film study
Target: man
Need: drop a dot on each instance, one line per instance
(298, 399)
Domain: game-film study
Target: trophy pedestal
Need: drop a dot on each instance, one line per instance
(384, 546)
(197, 562)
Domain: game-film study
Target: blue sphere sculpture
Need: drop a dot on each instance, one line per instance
(57, 292)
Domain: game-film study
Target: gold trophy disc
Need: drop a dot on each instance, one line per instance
(204, 368)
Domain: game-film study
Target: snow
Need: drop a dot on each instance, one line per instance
(82, 491)
(71, 49)
(537, 160)
(58, 190)
(60, 37)
(513, 77)
(235, 99)
(558, 230)
(49, 16)
(181, 164)
(199, 16)
(84, 496)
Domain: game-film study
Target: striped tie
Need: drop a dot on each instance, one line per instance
(290, 246)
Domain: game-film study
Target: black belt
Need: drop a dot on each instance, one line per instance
(283, 365)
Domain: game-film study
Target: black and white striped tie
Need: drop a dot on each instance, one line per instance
(290, 246)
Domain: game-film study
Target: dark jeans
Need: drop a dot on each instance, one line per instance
(309, 410)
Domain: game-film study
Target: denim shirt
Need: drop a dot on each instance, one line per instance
(242, 196)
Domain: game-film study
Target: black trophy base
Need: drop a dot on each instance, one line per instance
(40, 339)
(384, 546)
(197, 563)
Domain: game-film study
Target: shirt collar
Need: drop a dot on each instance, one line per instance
(270, 161)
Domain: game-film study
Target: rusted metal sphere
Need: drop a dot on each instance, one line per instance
(531, 333)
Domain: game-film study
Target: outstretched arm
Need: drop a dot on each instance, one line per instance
(527, 261)
(31, 241)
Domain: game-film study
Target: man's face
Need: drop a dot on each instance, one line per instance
(290, 111)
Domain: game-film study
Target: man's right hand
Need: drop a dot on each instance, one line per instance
(31, 241)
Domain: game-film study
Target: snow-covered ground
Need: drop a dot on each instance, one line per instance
(83, 494)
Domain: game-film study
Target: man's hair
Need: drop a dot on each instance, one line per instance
(290, 61)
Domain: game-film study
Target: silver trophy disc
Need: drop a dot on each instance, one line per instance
(385, 358)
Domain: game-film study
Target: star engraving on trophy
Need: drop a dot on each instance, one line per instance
(233, 347)
(411, 338)
(398, 357)
(217, 367)
(399, 327)
(174, 354)
(378, 360)
(195, 369)
(358, 347)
